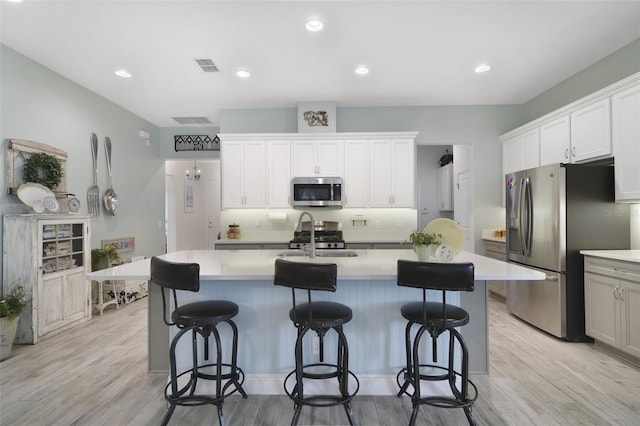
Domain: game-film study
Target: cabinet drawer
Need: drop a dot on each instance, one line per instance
(613, 268)
(495, 250)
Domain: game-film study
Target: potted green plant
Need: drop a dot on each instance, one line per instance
(103, 258)
(423, 242)
(11, 305)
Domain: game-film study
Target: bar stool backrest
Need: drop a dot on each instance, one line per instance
(172, 276)
(436, 276)
(306, 276)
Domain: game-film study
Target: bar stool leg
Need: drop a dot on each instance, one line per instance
(408, 369)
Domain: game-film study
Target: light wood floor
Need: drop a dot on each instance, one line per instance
(96, 375)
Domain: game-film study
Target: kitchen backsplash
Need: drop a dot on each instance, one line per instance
(357, 224)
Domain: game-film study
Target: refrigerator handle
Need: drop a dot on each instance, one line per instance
(521, 207)
(529, 218)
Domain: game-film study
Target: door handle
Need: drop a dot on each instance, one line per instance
(551, 278)
(621, 294)
(615, 293)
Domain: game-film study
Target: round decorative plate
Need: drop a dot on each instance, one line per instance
(74, 205)
(51, 204)
(445, 253)
(450, 230)
(29, 192)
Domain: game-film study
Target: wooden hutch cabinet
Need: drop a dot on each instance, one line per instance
(50, 256)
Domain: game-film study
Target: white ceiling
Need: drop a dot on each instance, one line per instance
(419, 52)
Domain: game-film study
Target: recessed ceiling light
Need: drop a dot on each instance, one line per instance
(15, 1)
(243, 73)
(482, 68)
(123, 73)
(362, 70)
(314, 25)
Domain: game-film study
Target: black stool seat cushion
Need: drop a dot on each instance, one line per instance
(323, 314)
(208, 312)
(455, 315)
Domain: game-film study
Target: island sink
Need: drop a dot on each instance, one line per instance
(319, 253)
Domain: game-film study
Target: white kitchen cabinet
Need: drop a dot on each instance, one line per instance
(445, 187)
(356, 178)
(49, 256)
(555, 141)
(322, 158)
(496, 250)
(243, 165)
(279, 174)
(625, 112)
(521, 152)
(391, 173)
(591, 132)
(612, 303)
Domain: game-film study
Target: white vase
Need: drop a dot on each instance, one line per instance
(8, 329)
(423, 252)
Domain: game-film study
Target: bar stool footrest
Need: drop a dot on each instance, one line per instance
(316, 400)
(231, 378)
(436, 401)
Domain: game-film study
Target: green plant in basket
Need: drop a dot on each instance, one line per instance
(103, 258)
(13, 303)
(425, 238)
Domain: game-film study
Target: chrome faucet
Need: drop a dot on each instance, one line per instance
(312, 253)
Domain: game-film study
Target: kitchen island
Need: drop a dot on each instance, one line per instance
(366, 283)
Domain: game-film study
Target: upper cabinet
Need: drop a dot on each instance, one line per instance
(601, 125)
(391, 173)
(591, 132)
(279, 174)
(377, 167)
(522, 152)
(555, 141)
(356, 169)
(626, 143)
(243, 165)
(318, 158)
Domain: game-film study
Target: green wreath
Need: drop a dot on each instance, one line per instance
(44, 169)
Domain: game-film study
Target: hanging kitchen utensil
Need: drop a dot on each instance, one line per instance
(93, 193)
(110, 198)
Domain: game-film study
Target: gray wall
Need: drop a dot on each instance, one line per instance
(615, 67)
(39, 105)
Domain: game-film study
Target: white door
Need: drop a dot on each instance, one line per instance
(463, 195)
(170, 223)
(212, 196)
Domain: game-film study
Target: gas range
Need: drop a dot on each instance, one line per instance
(328, 235)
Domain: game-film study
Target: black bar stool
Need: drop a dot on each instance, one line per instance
(319, 317)
(435, 318)
(202, 319)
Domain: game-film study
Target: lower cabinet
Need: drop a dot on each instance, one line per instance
(496, 250)
(612, 303)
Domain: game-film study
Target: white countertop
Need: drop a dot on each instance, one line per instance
(259, 264)
(625, 255)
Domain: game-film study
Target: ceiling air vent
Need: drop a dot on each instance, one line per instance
(192, 120)
(207, 65)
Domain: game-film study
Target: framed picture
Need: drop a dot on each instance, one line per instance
(188, 197)
(317, 117)
(120, 245)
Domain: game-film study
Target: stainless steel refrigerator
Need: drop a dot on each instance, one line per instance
(552, 213)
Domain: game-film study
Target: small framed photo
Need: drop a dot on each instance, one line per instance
(188, 198)
(317, 117)
(120, 245)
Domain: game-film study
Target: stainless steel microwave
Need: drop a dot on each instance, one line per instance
(316, 191)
